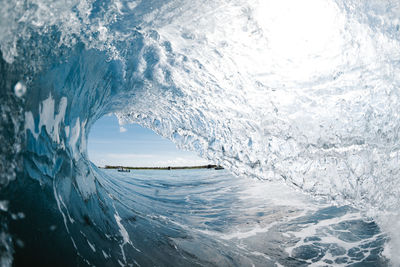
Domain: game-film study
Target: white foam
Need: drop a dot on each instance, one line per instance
(91, 246)
(122, 229)
(105, 255)
(75, 133)
(312, 229)
(48, 118)
(4, 205)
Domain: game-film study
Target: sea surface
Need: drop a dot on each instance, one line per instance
(212, 218)
(202, 217)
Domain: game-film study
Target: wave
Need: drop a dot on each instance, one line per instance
(303, 94)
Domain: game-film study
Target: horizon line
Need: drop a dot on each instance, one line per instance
(208, 166)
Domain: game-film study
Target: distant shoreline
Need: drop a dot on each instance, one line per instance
(209, 166)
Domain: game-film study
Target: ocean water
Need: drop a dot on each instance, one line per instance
(298, 101)
(212, 218)
(206, 218)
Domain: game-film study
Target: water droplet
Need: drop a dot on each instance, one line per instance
(4, 205)
(19, 89)
(20, 243)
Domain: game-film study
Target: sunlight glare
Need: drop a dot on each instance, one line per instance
(302, 33)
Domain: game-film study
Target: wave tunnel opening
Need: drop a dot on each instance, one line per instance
(131, 145)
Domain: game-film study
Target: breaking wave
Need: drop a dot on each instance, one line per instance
(305, 94)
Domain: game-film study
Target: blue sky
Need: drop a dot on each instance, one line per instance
(136, 146)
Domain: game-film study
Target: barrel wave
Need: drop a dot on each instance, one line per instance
(291, 96)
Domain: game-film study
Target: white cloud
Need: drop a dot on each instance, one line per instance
(122, 129)
(125, 155)
(145, 160)
(180, 162)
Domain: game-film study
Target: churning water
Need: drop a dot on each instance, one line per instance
(299, 100)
